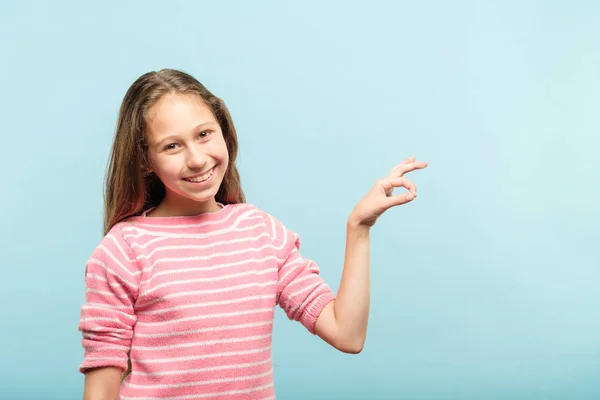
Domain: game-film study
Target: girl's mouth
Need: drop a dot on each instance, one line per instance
(200, 178)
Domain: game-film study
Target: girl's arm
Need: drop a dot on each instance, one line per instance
(343, 322)
(102, 383)
(107, 318)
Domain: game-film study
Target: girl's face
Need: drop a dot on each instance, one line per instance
(187, 152)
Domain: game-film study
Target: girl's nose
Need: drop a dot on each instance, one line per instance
(196, 158)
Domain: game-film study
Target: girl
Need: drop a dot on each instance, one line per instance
(182, 287)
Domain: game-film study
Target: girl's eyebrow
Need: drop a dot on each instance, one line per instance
(173, 137)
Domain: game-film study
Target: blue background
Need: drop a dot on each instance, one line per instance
(486, 287)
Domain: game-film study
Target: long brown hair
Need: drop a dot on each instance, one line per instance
(130, 189)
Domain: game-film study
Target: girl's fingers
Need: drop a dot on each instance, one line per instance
(390, 183)
(400, 199)
(408, 160)
(403, 168)
(396, 179)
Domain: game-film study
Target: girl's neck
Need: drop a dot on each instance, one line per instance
(168, 208)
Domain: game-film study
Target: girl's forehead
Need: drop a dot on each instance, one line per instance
(178, 113)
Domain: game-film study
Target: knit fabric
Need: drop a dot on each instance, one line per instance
(193, 300)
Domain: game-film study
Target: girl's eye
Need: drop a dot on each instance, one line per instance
(170, 146)
(204, 134)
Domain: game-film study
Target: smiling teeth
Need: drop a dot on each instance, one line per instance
(200, 178)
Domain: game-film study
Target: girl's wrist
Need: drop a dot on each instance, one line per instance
(355, 225)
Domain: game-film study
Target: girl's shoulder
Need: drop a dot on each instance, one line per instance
(114, 236)
(114, 253)
(252, 213)
(275, 226)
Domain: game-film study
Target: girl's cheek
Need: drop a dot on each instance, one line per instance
(168, 162)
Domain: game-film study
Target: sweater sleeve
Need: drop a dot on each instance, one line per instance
(301, 291)
(107, 316)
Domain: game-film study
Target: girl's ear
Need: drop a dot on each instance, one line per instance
(148, 165)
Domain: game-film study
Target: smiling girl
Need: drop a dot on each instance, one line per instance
(183, 287)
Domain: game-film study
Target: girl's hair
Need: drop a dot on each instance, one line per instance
(130, 188)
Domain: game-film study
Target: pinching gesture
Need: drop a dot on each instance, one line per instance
(380, 198)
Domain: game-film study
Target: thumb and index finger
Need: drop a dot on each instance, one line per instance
(390, 183)
(396, 179)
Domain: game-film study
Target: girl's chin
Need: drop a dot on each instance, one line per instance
(189, 197)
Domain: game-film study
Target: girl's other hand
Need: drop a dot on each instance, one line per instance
(380, 198)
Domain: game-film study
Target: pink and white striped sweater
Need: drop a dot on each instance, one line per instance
(193, 298)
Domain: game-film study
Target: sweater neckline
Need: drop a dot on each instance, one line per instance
(182, 219)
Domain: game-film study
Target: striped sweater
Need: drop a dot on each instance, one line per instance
(192, 299)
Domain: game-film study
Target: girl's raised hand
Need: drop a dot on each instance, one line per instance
(381, 197)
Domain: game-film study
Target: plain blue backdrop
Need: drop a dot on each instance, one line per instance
(486, 287)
